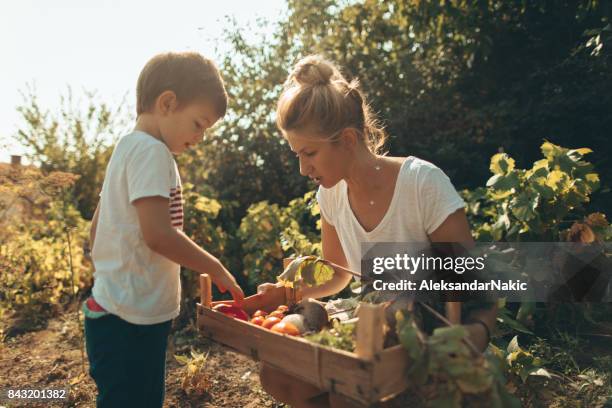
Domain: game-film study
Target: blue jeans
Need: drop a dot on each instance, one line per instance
(127, 361)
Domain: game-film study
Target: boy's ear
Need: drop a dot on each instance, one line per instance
(167, 102)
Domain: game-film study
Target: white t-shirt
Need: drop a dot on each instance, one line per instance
(423, 198)
(130, 280)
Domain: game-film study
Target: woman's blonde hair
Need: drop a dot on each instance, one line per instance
(316, 97)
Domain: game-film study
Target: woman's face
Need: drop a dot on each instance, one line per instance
(324, 161)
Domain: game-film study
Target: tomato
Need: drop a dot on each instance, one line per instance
(258, 320)
(232, 311)
(277, 313)
(286, 328)
(259, 313)
(270, 321)
(283, 308)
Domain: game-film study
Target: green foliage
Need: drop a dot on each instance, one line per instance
(43, 265)
(270, 233)
(533, 204)
(523, 363)
(202, 224)
(196, 378)
(341, 336)
(73, 139)
(442, 365)
(306, 271)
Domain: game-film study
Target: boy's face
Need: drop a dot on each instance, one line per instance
(182, 127)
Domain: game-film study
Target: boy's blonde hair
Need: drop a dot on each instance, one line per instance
(188, 74)
(316, 97)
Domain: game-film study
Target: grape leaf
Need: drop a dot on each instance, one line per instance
(306, 270)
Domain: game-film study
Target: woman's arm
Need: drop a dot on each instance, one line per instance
(333, 253)
(456, 229)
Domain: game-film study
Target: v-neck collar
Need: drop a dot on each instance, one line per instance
(389, 210)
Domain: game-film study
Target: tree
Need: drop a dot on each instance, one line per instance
(73, 140)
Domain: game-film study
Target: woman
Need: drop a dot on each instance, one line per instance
(363, 196)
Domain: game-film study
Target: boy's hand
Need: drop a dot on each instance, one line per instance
(225, 281)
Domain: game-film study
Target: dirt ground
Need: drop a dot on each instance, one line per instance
(51, 357)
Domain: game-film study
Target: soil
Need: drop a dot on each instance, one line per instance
(51, 357)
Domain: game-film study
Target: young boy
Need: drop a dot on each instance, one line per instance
(137, 239)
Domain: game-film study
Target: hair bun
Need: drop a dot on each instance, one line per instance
(314, 70)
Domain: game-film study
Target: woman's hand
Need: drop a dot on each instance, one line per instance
(265, 287)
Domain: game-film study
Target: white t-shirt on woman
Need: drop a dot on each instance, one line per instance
(423, 198)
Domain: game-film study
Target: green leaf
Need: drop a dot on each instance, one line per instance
(513, 346)
(577, 154)
(306, 270)
(418, 372)
(450, 333)
(182, 359)
(539, 185)
(316, 273)
(526, 309)
(552, 151)
(504, 182)
(501, 163)
(207, 205)
(539, 169)
(540, 372)
(479, 381)
(524, 205)
(503, 222)
(513, 324)
(592, 180)
(558, 180)
(408, 334)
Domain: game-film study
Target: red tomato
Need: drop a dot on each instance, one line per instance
(283, 308)
(277, 313)
(270, 321)
(286, 328)
(259, 313)
(233, 311)
(258, 320)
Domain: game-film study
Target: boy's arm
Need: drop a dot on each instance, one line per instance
(161, 237)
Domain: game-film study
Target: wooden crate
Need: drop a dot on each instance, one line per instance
(367, 376)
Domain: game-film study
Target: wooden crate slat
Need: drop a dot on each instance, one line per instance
(293, 355)
(389, 373)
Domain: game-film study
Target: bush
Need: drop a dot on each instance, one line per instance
(41, 246)
(270, 233)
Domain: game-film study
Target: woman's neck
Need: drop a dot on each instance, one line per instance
(364, 174)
